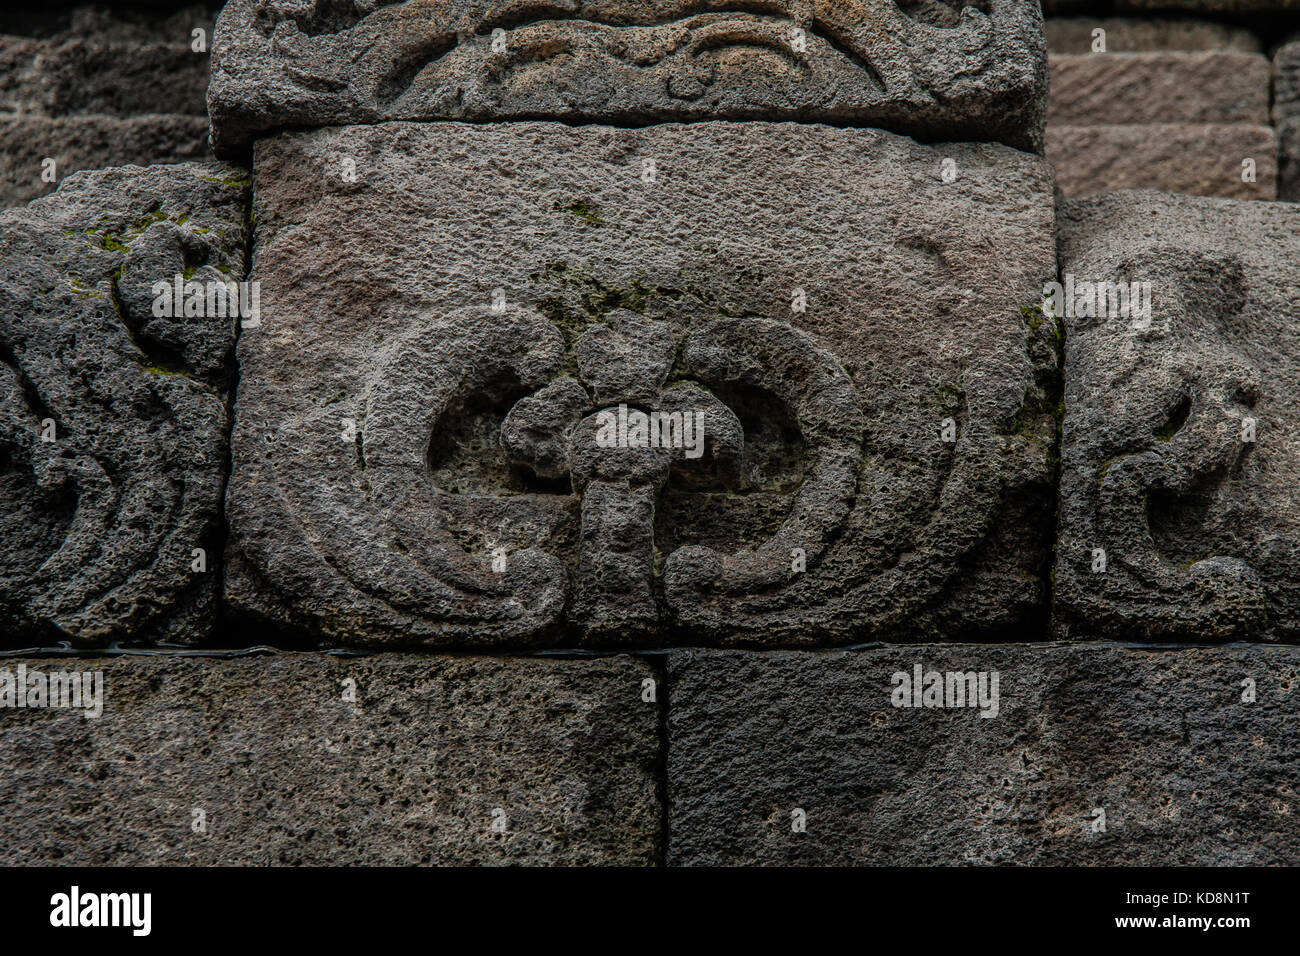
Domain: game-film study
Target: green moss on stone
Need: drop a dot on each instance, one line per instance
(584, 210)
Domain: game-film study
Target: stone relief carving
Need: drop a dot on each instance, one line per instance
(926, 68)
(1176, 516)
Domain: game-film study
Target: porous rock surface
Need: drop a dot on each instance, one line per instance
(1137, 35)
(113, 421)
(1286, 115)
(858, 334)
(1159, 87)
(303, 759)
(1236, 160)
(90, 142)
(1097, 755)
(940, 70)
(1180, 437)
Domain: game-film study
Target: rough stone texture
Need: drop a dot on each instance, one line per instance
(100, 522)
(77, 76)
(1200, 159)
(89, 142)
(1133, 35)
(1199, 527)
(939, 70)
(94, 87)
(1286, 81)
(1286, 115)
(287, 771)
(1115, 88)
(376, 499)
(137, 21)
(1185, 770)
(1288, 176)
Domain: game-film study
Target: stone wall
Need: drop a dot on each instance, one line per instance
(650, 432)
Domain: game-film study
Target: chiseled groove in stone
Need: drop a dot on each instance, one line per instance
(287, 771)
(1186, 771)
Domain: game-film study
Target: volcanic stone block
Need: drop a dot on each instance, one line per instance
(1286, 116)
(152, 21)
(941, 70)
(1093, 755)
(315, 760)
(63, 77)
(1202, 160)
(1179, 519)
(90, 142)
(1286, 80)
(113, 418)
(1134, 35)
(1288, 174)
(1115, 88)
(437, 440)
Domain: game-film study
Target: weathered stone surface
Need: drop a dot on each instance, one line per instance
(152, 21)
(1204, 160)
(433, 759)
(939, 70)
(77, 76)
(376, 499)
(1135, 35)
(90, 142)
(113, 422)
(1185, 771)
(1199, 523)
(1115, 88)
(1286, 116)
(1288, 174)
(1286, 81)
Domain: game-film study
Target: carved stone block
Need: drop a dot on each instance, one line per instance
(1219, 87)
(940, 69)
(113, 418)
(1286, 116)
(442, 423)
(1181, 441)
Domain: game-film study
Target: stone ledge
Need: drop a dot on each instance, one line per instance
(1164, 87)
(1204, 160)
(75, 76)
(438, 760)
(1185, 771)
(91, 142)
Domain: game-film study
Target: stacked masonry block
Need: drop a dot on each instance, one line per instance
(1286, 114)
(319, 455)
(1144, 104)
(91, 87)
